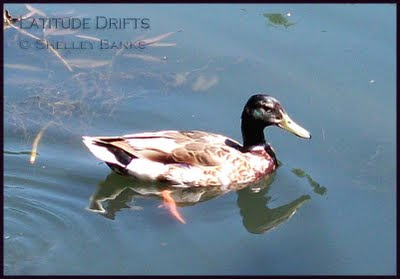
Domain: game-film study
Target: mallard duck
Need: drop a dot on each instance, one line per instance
(198, 158)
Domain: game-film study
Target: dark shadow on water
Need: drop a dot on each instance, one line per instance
(117, 192)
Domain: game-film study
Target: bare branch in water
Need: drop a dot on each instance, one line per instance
(147, 58)
(36, 142)
(23, 67)
(153, 40)
(43, 41)
(88, 63)
(62, 59)
(28, 15)
(59, 32)
(162, 44)
(88, 37)
(34, 10)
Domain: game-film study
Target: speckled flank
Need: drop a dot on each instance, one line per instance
(185, 159)
(250, 167)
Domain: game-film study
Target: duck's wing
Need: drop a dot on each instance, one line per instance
(196, 148)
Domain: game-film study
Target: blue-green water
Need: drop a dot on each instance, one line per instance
(331, 66)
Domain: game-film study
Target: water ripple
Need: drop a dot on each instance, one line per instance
(35, 218)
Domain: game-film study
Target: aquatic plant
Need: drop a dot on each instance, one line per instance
(51, 104)
(277, 19)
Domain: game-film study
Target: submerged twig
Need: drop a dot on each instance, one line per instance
(17, 152)
(22, 67)
(88, 63)
(147, 58)
(28, 15)
(43, 41)
(59, 32)
(162, 44)
(88, 37)
(153, 40)
(36, 142)
(34, 10)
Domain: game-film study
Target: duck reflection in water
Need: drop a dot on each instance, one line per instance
(117, 192)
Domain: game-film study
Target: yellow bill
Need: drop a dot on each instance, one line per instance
(289, 125)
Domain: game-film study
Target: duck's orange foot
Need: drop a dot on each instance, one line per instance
(171, 205)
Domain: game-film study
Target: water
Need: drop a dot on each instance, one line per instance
(330, 207)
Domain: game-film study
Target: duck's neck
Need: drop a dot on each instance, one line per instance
(252, 132)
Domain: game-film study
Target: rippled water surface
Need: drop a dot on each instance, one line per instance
(329, 208)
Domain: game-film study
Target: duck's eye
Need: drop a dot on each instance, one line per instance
(267, 109)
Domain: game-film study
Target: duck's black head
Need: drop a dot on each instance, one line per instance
(261, 111)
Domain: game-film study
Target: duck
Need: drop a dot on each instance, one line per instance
(194, 158)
